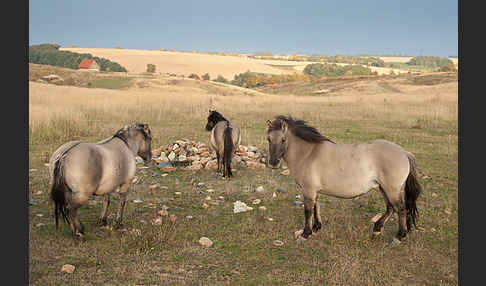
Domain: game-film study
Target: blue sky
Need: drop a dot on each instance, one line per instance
(426, 27)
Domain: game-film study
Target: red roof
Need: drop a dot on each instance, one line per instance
(85, 64)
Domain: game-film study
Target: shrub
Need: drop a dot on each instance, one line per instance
(150, 68)
(430, 61)
(194, 76)
(319, 70)
(205, 76)
(220, 78)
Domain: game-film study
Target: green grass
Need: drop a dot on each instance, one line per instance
(110, 83)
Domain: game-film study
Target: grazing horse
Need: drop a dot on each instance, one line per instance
(320, 166)
(80, 169)
(225, 140)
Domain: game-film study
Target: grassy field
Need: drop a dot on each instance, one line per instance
(422, 118)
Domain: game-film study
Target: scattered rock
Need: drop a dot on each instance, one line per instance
(278, 243)
(38, 193)
(178, 193)
(262, 208)
(39, 215)
(260, 189)
(239, 207)
(137, 201)
(270, 219)
(432, 229)
(285, 172)
(157, 221)
(172, 218)
(298, 233)
(221, 197)
(434, 195)
(39, 224)
(208, 198)
(153, 187)
(376, 217)
(447, 211)
(205, 206)
(163, 213)
(210, 191)
(68, 268)
(274, 195)
(256, 201)
(204, 241)
(299, 202)
(189, 217)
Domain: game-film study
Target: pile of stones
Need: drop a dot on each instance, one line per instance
(193, 155)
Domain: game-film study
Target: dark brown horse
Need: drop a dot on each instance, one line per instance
(320, 166)
(225, 140)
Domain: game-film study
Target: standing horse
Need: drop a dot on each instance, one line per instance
(225, 140)
(320, 166)
(81, 169)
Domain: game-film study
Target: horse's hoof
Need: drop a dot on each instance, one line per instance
(300, 240)
(102, 223)
(395, 241)
(316, 227)
(118, 226)
(375, 234)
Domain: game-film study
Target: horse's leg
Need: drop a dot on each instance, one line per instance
(218, 158)
(380, 223)
(106, 202)
(121, 206)
(317, 216)
(309, 204)
(77, 199)
(398, 203)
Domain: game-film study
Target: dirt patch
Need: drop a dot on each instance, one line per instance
(432, 79)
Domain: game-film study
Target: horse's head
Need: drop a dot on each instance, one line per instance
(277, 141)
(140, 134)
(213, 118)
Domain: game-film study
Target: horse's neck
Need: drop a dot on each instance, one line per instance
(297, 151)
(116, 141)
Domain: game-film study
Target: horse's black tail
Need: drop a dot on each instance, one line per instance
(412, 192)
(228, 150)
(58, 193)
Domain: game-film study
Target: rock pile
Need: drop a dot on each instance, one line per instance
(197, 155)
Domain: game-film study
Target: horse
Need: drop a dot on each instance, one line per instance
(320, 166)
(80, 169)
(224, 139)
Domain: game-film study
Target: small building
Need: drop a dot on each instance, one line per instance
(89, 65)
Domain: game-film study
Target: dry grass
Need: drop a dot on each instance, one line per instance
(423, 119)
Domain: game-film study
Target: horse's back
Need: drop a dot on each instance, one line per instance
(217, 134)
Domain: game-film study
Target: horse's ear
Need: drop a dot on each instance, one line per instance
(284, 126)
(269, 123)
(146, 128)
(126, 127)
(210, 111)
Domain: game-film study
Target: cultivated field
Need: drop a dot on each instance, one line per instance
(180, 63)
(416, 112)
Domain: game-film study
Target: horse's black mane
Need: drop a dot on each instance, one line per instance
(216, 117)
(299, 128)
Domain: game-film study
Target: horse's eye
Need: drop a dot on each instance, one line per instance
(268, 139)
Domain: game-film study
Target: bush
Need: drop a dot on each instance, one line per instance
(332, 70)
(150, 68)
(220, 78)
(205, 76)
(430, 61)
(194, 76)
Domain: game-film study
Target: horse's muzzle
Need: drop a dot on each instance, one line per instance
(275, 164)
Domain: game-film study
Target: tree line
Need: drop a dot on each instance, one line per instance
(49, 54)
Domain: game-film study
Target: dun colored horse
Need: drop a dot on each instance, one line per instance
(320, 166)
(225, 140)
(81, 169)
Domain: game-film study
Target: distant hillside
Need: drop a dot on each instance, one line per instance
(49, 54)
